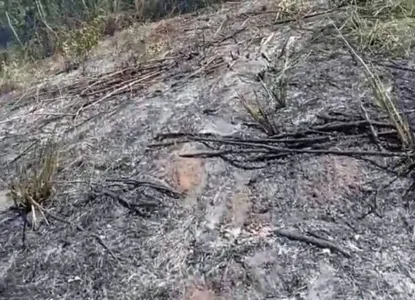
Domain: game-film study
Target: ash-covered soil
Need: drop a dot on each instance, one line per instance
(157, 225)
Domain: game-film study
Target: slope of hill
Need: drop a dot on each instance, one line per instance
(234, 153)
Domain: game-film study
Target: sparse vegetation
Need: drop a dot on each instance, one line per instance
(41, 28)
(384, 100)
(381, 26)
(274, 81)
(260, 115)
(32, 189)
(38, 29)
(75, 45)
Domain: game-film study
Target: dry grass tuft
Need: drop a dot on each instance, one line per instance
(32, 189)
(288, 9)
(384, 100)
(275, 80)
(259, 114)
(382, 26)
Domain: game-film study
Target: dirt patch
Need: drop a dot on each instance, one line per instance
(187, 175)
(199, 293)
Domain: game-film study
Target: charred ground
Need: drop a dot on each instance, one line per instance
(168, 188)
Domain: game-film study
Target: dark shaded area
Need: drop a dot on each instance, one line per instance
(6, 36)
(38, 31)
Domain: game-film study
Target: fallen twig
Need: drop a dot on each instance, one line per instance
(227, 37)
(393, 65)
(216, 153)
(334, 126)
(297, 151)
(302, 151)
(132, 207)
(321, 243)
(165, 144)
(118, 91)
(156, 186)
(203, 68)
(24, 152)
(347, 125)
(317, 14)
